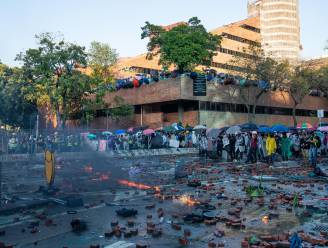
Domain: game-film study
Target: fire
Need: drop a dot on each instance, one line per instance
(88, 169)
(104, 177)
(157, 189)
(265, 219)
(186, 200)
(134, 185)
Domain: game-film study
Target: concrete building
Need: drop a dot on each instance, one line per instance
(274, 24)
(280, 27)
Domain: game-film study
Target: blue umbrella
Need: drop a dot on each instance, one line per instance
(264, 129)
(279, 128)
(249, 127)
(119, 132)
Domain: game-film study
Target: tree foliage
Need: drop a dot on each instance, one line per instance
(101, 58)
(258, 69)
(184, 46)
(15, 110)
(55, 75)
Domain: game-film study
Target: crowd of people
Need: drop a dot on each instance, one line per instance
(245, 147)
(155, 76)
(250, 147)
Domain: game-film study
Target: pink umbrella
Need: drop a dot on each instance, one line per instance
(323, 129)
(130, 130)
(148, 131)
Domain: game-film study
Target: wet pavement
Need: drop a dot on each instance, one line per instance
(210, 204)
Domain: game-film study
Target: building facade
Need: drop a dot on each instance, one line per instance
(280, 27)
(273, 25)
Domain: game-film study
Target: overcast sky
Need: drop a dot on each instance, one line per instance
(118, 22)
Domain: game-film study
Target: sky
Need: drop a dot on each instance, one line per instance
(118, 22)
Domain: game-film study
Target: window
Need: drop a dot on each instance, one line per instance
(243, 40)
(251, 28)
(241, 108)
(234, 53)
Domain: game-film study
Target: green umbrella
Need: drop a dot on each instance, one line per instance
(92, 136)
(319, 134)
(169, 129)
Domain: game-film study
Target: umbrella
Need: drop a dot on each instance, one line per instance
(91, 136)
(320, 135)
(304, 125)
(198, 127)
(169, 129)
(264, 130)
(119, 132)
(130, 130)
(279, 128)
(148, 131)
(323, 129)
(213, 132)
(233, 130)
(247, 127)
(106, 133)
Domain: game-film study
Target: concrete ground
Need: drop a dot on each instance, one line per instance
(290, 200)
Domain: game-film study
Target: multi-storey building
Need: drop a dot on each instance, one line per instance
(273, 24)
(280, 27)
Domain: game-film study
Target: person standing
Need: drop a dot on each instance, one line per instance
(271, 147)
(252, 154)
(315, 143)
(261, 147)
(285, 147)
(239, 147)
(219, 146)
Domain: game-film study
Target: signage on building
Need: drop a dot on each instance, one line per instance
(199, 85)
(321, 113)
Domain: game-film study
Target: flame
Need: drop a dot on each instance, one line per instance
(265, 219)
(103, 177)
(88, 169)
(186, 200)
(134, 185)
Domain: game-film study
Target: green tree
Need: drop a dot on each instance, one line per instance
(184, 46)
(50, 70)
(257, 68)
(320, 80)
(101, 58)
(15, 110)
(299, 87)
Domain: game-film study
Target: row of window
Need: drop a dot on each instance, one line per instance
(234, 53)
(243, 40)
(280, 7)
(268, 23)
(241, 108)
(251, 28)
(227, 67)
(279, 14)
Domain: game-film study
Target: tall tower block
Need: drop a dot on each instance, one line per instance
(280, 27)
